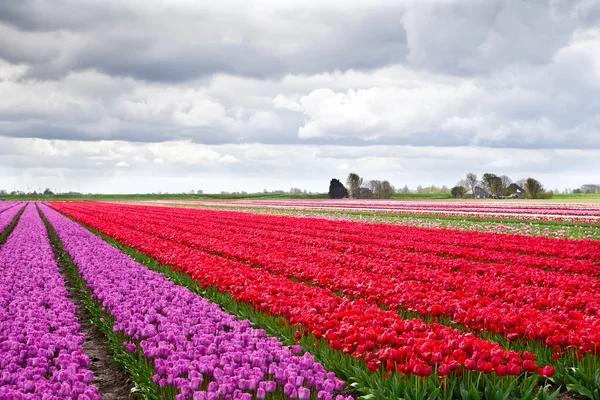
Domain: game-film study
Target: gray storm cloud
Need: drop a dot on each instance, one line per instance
(434, 78)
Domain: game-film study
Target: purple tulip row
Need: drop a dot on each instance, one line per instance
(196, 348)
(7, 214)
(6, 205)
(40, 343)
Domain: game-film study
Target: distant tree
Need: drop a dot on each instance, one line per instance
(533, 188)
(354, 183)
(496, 187)
(506, 181)
(419, 189)
(199, 192)
(521, 183)
(577, 191)
(405, 190)
(3, 192)
(365, 193)
(380, 189)
(387, 189)
(471, 180)
(458, 191)
(295, 191)
(463, 183)
(48, 192)
(487, 180)
(337, 190)
(590, 188)
(374, 186)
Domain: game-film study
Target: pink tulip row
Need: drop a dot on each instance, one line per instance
(586, 213)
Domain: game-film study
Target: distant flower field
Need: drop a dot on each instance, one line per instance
(573, 221)
(201, 303)
(587, 213)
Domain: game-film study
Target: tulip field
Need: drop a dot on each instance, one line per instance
(545, 211)
(216, 303)
(559, 220)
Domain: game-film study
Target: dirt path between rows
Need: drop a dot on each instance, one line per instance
(112, 382)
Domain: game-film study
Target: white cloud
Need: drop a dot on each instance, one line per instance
(228, 159)
(260, 87)
(255, 166)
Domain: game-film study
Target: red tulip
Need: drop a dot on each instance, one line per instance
(546, 371)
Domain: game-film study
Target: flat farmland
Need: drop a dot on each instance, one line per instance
(271, 300)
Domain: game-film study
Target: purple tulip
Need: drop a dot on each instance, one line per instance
(39, 330)
(8, 212)
(190, 340)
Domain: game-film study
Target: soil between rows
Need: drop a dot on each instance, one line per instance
(112, 382)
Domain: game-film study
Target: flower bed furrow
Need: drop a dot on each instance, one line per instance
(560, 310)
(6, 206)
(196, 349)
(40, 342)
(9, 214)
(355, 327)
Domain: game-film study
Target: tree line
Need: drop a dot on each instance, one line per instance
(358, 188)
(489, 185)
(499, 186)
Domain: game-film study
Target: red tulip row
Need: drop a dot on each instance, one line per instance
(233, 234)
(413, 249)
(531, 251)
(518, 302)
(355, 327)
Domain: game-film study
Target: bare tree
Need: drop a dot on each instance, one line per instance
(590, 188)
(533, 188)
(471, 180)
(506, 181)
(387, 190)
(354, 183)
(380, 189)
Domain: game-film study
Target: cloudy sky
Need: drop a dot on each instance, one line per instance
(173, 95)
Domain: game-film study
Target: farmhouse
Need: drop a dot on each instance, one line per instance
(480, 193)
(515, 190)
